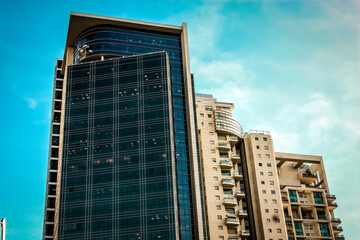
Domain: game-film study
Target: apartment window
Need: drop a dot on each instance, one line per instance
(278, 230)
(265, 201)
(216, 178)
(269, 164)
(261, 173)
(208, 108)
(212, 150)
(257, 147)
(209, 115)
(219, 217)
(232, 231)
(271, 182)
(230, 211)
(225, 173)
(215, 169)
(212, 142)
(259, 155)
(202, 123)
(211, 133)
(262, 182)
(221, 238)
(210, 124)
(276, 211)
(272, 191)
(256, 138)
(277, 220)
(216, 188)
(217, 197)
(228, 191)
(218, 207)
(270, 173)
(269, 230)
(264, 191)
(260, 164)
(201, 115)
(265, 139)
(267, 155)
(266, 210)
(266, 147)
(274, 201)
(213, 159)
(268, 220)
(220, 227)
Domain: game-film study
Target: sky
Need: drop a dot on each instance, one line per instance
(290, 67)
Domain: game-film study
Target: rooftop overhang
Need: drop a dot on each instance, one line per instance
(81, 21)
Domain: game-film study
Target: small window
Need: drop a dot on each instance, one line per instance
(264, 191)
(212, 142)
(220, 227)
(261, 173)
(218, 207)
(212, 150)
(274, 201)
(209, 115)
(262, 182)
(277, 220)
(260, 164)
(215, 169)
(216, 178)
(269, 164)
(266, 147)
(271, 182)
(213, 159)
(267, 155)
(268, 220)
(278, 230)
(56, 129)
(57, 105)
(265, 139)
(257, 147)
(201, 115)
(269, 230)
(210, 124)
(256, 138)
(216, 188)
(259, 155)
(276, 211)
(219, 217)
(266, 210)
(217, 197)
(202, 123)
(265, 201)
(211, 133)
(232, 231)
(207, 108)
(221, 238)
(272, 191)
(270, 173)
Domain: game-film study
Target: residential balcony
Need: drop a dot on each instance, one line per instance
(228, 183)
(232, 222)
(224, 146)
(235, 158)
(238, 175)
(322, 217)
(332, 205)
(336, 221)
(308, 217)
(289, 225)
(225, 164)
(330, 197)
(232, 202)
(337, 229)
(242, 213)
(307, 177)
(285, 201)
(284, 193)
(287, 216)
(233, 140)
(339, 237)
(240, 193)
(244, 233)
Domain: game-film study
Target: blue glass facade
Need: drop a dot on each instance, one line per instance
(99, 106)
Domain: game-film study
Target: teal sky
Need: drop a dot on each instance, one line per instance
(290, 67)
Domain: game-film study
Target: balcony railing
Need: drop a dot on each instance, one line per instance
(235, 157)
(333, 205)
(232, 221)
(233, 139)
(228, 182)
(230, 201)
(244, 232)
(226, 164)
(337, 228)
(240, 193)
(308, 174)
(242, 211)
(224, 146)
(238, 175)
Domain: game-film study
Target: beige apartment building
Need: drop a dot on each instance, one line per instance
(253, 192)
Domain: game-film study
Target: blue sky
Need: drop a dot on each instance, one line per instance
(290, 67)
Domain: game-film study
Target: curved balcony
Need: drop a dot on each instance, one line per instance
(238, 175)
(235, 158)
(224, 147)
(231, 202)
(228, 183)
(224, 123)
(242, 213)
(240, 194)
(232, 222)
(225, 164)
(233, 140)
(244, 233)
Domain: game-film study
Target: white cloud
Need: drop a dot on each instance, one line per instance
(32, 103)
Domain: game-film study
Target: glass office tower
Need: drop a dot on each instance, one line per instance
(124, 164)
